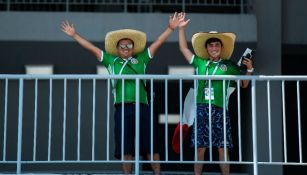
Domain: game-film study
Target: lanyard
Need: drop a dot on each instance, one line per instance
(124, 65)
(215, 68)
(114, 82)
(214, 71)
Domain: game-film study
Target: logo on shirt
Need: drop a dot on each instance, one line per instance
(223, 67)
(134, 61)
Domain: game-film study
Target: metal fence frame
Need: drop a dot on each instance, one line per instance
(254, 79)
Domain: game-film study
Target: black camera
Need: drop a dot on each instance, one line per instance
(249, 53)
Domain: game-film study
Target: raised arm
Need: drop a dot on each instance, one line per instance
(69, 29)
(249, 64)
(182, 40)
(172, 24)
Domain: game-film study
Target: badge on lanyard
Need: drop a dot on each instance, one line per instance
(209, 95)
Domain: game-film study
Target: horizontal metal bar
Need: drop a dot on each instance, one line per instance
(154, 76)
(132, 161)
(160, 161)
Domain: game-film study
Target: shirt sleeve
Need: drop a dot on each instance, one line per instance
(150, 56)
(195, 61)
(192, 59)
(145, 56)
(106, 59)
(101, 58)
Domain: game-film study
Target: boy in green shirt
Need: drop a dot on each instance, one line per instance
(125, 53)
(212, 54)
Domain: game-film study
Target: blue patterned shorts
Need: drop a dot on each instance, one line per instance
(217, 132)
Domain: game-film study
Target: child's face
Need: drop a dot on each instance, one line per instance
(214, 49)
(125, 48)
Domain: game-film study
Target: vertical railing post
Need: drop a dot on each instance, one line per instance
(299, 119)
(20, 109)
(8, 5)
(242, 7)
(123, 120)
(64, 120)
(35, 120)
(284, 121)
(94, 119)
(269, 119)
(50, 120)
(166, 119)
(210, 121)
(67, 5)
(151, 120)
(239, 120)
(137, 126)
(224, 120)
(125, 6)
(79, 120)
(195, 118)
(108, 120)
(254, 128)
(5, 120)
(180, 119)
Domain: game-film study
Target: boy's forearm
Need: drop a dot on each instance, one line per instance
(160, 40)
(182, 39)
(87, 45)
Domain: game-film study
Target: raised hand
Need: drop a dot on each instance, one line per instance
(174, 20)
(248, 63)
(68, 28)
(183, 23)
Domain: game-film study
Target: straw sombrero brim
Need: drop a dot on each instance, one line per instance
(199, 40)
(112, 38)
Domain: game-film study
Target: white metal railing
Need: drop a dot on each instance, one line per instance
(241, 6)
(21, 91)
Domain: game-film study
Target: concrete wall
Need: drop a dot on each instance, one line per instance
(294, 23)
(93, 26)
(268, 62)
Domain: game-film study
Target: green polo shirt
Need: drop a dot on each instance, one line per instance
(223, 67)
(119, 66)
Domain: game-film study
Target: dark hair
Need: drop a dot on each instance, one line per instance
(125, 39)
(211, 40)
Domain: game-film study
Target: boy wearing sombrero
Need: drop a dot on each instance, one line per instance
(125, 53)
(212, 54)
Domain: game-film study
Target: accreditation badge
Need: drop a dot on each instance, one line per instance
(209, 95)
(134, 61)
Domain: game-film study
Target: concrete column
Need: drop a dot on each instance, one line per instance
(268, 62)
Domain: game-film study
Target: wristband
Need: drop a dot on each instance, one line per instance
(250, 70)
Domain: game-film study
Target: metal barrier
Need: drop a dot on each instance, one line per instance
(204, 6)
(44, 122)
